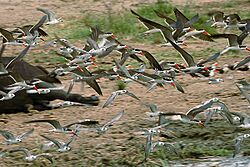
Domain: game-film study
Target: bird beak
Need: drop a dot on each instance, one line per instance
(80, 69)
(216, 64)
(113, 36)
(206, 33)
(190, 29)
(92, 58)
(36, 89)
(42, 38)
(141, 53)
(216, 70)
(74, 134)
(248, 49)
(176, 66)
(126, 46)
(206, 69)
(173, 84)
(119, 77)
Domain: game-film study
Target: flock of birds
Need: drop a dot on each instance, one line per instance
(81, 62)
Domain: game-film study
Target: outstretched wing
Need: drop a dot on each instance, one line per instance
(54, 123)
(57, 143)
(169, 146)
(19, 57)
(86, 122)
(178, 86)
(152, 60)
(237, 146)
(38, 24)
(49, 13)
(152, 107)
(189, 60)
(47, 156)
(209, 116)
(26, 134)
(114, 119)
(7, 135)
(21, 149)
(7, 35)
(211, 58)
(242, 62)
(123, 69)
(110, 99)
(226, 112)
(148, 146)
(132, 95)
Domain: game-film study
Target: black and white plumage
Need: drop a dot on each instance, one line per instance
(113, 95)
(28, 156)
(237, 143)
(242, 62)
(51, 16)
(219, 110)
(234, 41)
(11, 139)
(62, 147)
(243, 91)
(58, 127)
(150, 145)
(102, 129)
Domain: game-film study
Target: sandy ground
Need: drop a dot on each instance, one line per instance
(120, 142)
(16, 12)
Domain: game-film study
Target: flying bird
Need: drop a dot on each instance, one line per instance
(51, 16)
(113, 95)
(63, 129)
(28, 156)
(11, 139)
(62, 147)
(102, 129)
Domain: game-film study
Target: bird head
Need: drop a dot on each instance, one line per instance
(206, 68)
(109, 34)
(200, 123)
(189, 29)
(138, 51)
(215, 99)
(122, 46)
(18, 140)
(119, 77)
(74, 133)
(79, 68)
(246, 135)
(176, 66)
(173, 84)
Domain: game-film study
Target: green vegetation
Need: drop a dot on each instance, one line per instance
(124, 24)
(120, 85)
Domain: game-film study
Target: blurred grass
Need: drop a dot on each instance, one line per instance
(125, 24)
